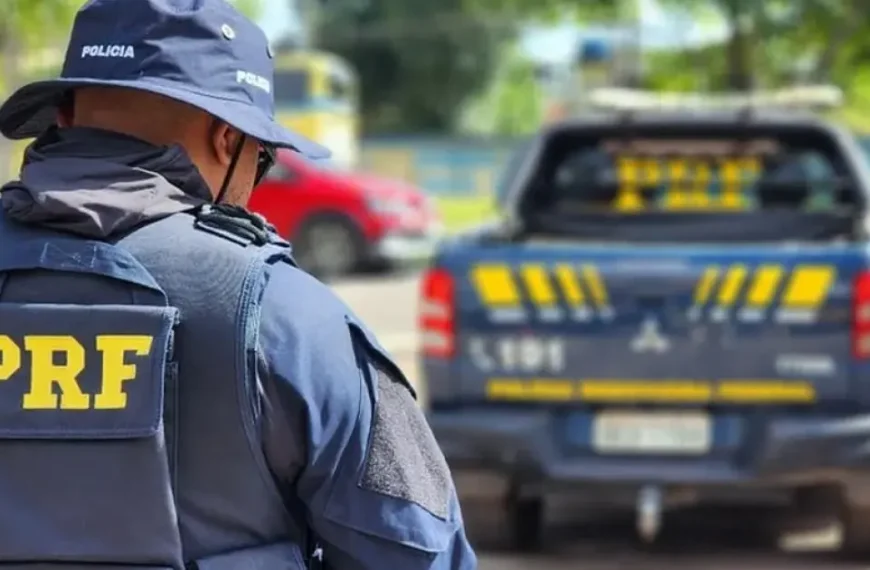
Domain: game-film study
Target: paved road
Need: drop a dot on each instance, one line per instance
(694, 549)
(388, 305)
(693, 542)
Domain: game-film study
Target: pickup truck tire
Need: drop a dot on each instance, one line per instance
(514, 524)
(525, 521)
(328, 246)
(855, 524)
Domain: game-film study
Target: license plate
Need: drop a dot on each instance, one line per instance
(651, 433)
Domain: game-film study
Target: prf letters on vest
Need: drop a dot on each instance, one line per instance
(59, 360)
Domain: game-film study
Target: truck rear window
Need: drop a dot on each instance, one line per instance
(685, 182)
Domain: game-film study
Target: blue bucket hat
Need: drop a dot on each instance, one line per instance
(200, 52)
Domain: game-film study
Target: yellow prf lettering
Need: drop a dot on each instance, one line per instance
(115, 370)
(10, 358)
(45, 374)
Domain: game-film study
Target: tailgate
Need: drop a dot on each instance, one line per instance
(669, 324)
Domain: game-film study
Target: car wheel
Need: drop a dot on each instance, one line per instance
(328, 247)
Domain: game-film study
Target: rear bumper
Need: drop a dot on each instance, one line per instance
(399, 249)
(529, 448)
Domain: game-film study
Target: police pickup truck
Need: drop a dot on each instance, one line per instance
(673, 309)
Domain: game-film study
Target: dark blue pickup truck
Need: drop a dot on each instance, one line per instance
(674, 309)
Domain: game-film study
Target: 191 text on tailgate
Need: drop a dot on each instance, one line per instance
(675, 308)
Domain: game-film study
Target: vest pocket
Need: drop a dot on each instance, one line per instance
(278, 556)
(84, 475)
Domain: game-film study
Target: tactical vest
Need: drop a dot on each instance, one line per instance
(128, 417)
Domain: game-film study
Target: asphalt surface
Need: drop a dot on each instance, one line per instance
(720, 540)
(388, 305)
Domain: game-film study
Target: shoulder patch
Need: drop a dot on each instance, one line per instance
(403, 459)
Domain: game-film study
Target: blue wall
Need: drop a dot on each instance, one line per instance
(449, 166)
(442, 166)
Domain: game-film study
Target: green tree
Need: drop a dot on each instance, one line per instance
(32, 23)
(33, 34)
(832, 35)
(29, 29)
(766, 38)
(551, 10)
(418, 62)
(250, 8)
(746, 20)
(36, 23)
(513, 104)
(772, 41)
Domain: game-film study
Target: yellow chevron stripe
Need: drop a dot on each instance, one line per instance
(596, 285)
(704, 289)
(495, 285)
(764, 286)
(537, 281)
(809, 286)
(731, 285)
(567, 278)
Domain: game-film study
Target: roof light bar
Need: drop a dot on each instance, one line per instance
(816, 97)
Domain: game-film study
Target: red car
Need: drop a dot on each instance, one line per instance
(341, 222)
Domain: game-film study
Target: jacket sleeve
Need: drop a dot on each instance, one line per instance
(345, 437)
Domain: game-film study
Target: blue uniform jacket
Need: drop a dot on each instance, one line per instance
(340, 428)
(377, 489)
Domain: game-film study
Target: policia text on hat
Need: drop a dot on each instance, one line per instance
(173, 391)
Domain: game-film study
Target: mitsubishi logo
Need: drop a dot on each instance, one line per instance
(650, 338)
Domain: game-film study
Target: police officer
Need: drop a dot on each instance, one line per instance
(174, 392)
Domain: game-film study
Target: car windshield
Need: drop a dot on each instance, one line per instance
(679, 183)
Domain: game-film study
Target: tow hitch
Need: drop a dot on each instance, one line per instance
(649, 513)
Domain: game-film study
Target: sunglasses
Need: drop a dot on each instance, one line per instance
(265, 162)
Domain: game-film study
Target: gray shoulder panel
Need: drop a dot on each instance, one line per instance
(404, 460)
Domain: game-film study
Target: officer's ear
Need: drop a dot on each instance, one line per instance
(66, 110)
(224, 141)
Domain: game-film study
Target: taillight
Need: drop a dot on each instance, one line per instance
(437, 314)
(861, 316)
